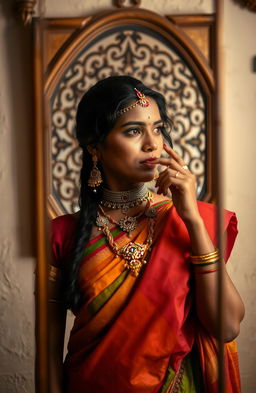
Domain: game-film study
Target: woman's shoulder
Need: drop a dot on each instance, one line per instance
(65, 219)
(62, 236)
(64, 226)
(158, 199)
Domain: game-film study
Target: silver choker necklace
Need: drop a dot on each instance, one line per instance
(125, 199)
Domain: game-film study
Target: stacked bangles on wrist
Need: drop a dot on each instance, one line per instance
(205, 260)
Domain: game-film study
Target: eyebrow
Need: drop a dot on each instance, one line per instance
(139, 123)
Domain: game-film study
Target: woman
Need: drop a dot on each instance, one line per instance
(138, 269)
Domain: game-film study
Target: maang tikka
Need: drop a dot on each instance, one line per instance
(95, 178)
(142, 101)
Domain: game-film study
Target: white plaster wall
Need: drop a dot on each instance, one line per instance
(16, 176)
(81, 7)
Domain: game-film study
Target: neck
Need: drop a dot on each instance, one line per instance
(123, 187)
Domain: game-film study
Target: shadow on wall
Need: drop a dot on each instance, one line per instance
(18, 61)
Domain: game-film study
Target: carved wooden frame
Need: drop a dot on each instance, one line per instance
(48, 67)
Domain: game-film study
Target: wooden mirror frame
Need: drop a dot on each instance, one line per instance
(48, 68)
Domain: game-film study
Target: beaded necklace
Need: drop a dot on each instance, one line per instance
(124, 200)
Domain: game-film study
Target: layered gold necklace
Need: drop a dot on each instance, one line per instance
(133, 253)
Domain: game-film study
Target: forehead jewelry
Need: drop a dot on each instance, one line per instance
(142, 100)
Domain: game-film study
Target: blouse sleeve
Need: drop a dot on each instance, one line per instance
(62, 239)
(208, 212)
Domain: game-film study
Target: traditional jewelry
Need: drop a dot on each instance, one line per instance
(124, 200)
(177, 174)
(204, 263)
(205, 256)
(133, 253)
(95, 178)
(143, 101)
(128, 223)
(205, 259)
(53, 273)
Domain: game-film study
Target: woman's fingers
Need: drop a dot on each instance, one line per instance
(174, 161)
(167, 178)
(172, 164)
(176, 173)
(165, 185)
(167, 173)
(174, 155)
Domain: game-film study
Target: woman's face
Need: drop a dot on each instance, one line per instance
(126, 152)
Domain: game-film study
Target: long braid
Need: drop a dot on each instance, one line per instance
(88, 202)
(96, 117)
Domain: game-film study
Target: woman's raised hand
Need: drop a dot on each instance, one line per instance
(181, 182)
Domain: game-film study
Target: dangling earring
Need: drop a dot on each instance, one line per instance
(95, 178)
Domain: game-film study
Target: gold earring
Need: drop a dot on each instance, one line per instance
(95, 178)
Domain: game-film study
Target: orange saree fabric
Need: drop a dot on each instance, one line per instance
(130, 331)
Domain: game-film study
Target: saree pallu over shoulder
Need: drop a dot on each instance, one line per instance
(130, 330)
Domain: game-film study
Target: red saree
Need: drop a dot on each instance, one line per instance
(133, 333)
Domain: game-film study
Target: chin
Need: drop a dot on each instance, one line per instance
(146, 178)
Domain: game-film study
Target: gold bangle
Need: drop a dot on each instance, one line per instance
(53, 273)
(205, 263)
(205, 258)
(199, 262)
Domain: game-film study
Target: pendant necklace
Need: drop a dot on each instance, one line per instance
(133, 253)
(128, 223)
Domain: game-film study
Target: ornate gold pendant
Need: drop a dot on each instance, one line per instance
(133, 254)
(127, 224)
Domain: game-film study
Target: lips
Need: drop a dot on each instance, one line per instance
(148, 160)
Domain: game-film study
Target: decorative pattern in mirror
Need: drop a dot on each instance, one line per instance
(143, 44)
(142, 53)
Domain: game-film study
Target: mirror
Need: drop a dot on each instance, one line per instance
(79, 52)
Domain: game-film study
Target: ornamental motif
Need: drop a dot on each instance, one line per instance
(146, 55)
(26, 10)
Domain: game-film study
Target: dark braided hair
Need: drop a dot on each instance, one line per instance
(96, 117)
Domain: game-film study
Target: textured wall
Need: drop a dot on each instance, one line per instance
(16, 187)
(16, 176)
(80, 7)
(239, 146)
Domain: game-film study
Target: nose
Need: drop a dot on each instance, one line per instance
(149, 144)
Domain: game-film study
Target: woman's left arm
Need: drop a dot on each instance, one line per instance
(183, 185)
(206, 287)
